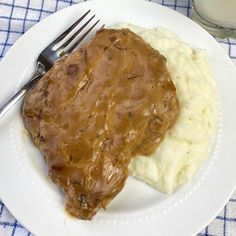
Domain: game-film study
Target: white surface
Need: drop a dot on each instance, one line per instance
(222, 12)
(138, 209)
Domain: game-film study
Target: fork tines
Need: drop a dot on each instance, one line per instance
(73, 36)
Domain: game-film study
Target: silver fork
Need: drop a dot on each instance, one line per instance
(64, 44)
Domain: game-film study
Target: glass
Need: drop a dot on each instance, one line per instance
(218, 17)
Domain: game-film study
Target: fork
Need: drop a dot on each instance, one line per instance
(64, 44)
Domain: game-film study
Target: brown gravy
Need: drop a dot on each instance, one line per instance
(95, 110)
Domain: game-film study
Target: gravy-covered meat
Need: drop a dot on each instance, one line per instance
(95, 110)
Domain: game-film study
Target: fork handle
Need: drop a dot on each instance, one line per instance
(40, 71)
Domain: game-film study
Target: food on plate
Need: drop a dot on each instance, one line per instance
(189, 142)
(95, 110)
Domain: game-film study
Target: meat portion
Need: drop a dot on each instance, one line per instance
(95, 110)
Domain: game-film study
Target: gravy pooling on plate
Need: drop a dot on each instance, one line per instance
(95, 110)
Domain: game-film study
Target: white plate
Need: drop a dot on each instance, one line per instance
(138, 209)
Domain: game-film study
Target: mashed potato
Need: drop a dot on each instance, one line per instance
(188, 143)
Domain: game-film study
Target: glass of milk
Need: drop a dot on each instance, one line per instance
(216, 16)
